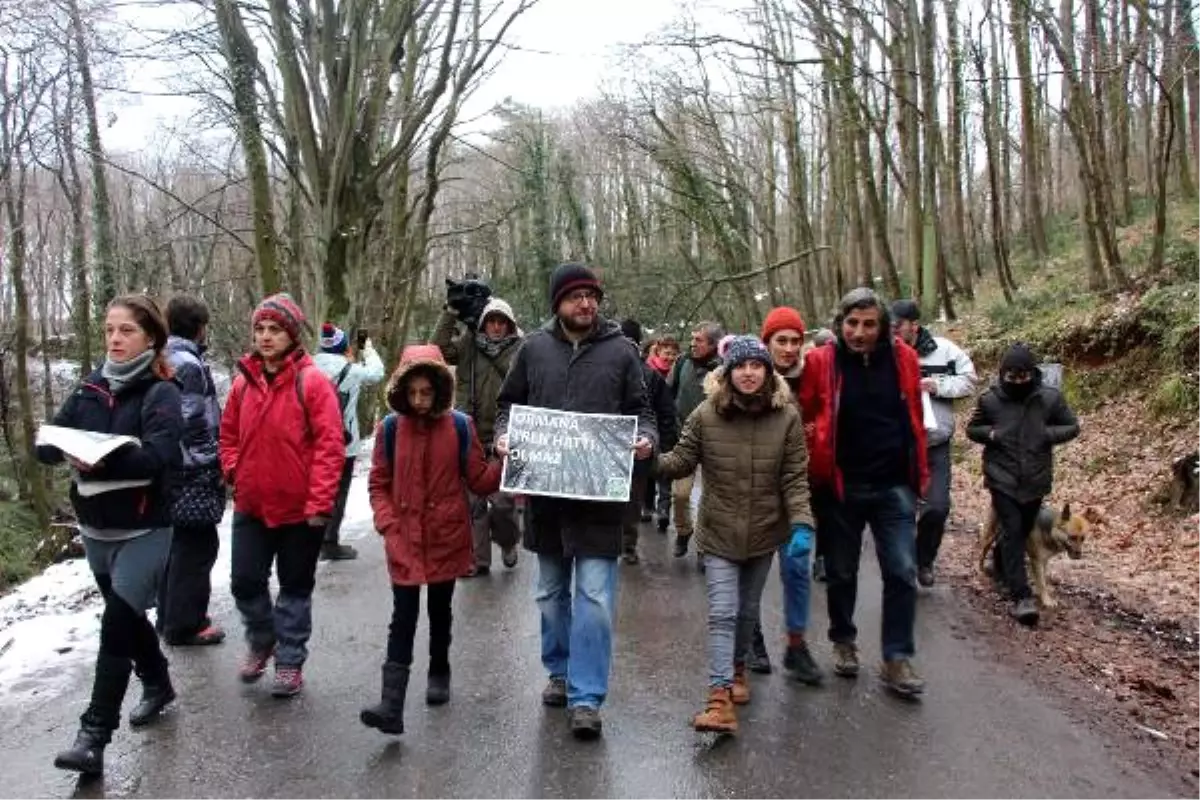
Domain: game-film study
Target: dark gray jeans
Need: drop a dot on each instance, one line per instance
(935, 508)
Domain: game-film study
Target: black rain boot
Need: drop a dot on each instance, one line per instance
(157, 693)
(437, 691)
(388, 715)
(102, 717)
(759, 660)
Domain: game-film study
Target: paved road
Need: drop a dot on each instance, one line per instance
(981, 731)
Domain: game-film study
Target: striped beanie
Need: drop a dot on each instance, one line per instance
(333, 339)
(746, 348)
(283, 311)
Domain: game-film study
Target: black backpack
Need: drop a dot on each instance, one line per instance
(343, 401)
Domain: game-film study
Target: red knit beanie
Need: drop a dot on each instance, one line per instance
(783, 318)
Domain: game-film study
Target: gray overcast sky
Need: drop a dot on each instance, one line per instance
(568, 49)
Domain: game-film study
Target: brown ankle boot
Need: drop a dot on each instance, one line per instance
(741, 686)
(718, 715)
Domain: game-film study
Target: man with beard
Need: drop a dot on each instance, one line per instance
(687, 379)
(481, 358)
(946, 375)
(580, 362)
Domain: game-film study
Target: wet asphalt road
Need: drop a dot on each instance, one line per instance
(981, 731)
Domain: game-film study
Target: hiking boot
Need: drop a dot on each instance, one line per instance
(1025, 611)
(663, 523)
(925, 576)
(630, 557)
(800, 664)
(288, 681)
(845, 659)
(819, 569)
(157, 694)
(759, 660)
(437, 690)
(338, 552)
(254, 664)
(585, 723)
(210, 635)
(901, 678)
(740, 692)
(719, 715)
(555, 693)
(388, 715)
(681, 545)
(509, 556)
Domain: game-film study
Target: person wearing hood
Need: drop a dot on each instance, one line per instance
(350, 372)
(481, 358)
(199, 492)
(578, 361)
(1019, 420)
(282, 452)
(427, 458)
(947, 374)
(861, 401)
(123, 505)
(748, 438)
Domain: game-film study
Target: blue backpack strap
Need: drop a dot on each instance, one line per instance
(463, 429)
(389, 436)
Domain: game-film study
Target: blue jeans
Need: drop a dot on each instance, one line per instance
(890, 511)
(797, 577)
(734, 595)
(577, 632)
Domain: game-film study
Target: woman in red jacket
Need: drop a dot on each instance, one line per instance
(427, 457)
(282, 451)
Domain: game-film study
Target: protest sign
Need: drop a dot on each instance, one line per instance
(569, 455)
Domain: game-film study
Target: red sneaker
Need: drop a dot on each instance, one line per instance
(288, 681)
(254, 665)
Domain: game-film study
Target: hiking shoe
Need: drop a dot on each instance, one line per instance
(630, 557)
(254, 664)
(509, 556)
(801, 666)
(845, 659)
(719, 715)
(664, 522)
(555, 693)
(819, 569)
(681, 545)
(925, 576)
(288, 681)
(740, 692)
(1025, 611)
(209, 636)
(901, 678)
(585, 723)
(338, 552)
(759, 660)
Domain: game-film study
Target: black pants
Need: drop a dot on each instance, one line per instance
(406, 610)
(823, 503)
(633, 513)
(1016, 519)
(935, 509)
(184, 592)
(333, 529)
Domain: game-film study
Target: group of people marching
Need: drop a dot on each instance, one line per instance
(798, 445)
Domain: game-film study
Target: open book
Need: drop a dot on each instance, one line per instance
(87, 446)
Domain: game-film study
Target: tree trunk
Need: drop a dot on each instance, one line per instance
(904, 64)
(952, 186)
(1034, 212)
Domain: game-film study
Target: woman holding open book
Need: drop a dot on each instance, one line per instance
(124, 514)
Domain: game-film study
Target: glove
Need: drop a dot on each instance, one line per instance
(801, 542)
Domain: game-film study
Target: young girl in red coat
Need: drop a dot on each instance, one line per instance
(427, 457)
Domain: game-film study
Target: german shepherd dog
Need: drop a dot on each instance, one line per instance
(1052, 534)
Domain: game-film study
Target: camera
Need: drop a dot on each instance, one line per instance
(467, 298)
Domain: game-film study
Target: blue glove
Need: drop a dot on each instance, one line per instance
(801, 542)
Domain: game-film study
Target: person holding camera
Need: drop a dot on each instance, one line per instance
(350, 369)
(481, 353)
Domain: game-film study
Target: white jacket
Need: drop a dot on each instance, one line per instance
(367, 372)
(948, 364)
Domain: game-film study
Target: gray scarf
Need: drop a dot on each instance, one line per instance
(121, 375)
(492, 348)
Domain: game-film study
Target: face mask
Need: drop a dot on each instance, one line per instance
(1018, 391)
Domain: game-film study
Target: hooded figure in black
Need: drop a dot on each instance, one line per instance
(1018, 420)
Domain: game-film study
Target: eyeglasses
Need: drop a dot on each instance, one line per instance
(582, 295)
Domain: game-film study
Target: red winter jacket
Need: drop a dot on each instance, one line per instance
(419, 495)
(283, 460)
(820, 394)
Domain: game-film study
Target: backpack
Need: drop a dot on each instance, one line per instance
(343, 400)
(461, 427)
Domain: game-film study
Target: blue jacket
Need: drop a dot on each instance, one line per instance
(201, 412)
(367, 373)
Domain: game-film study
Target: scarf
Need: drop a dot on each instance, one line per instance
(659, 365)
(494, 347)
(121, 376)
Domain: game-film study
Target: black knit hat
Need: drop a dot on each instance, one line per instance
(906, 310)
(567, 278)
(632, 329)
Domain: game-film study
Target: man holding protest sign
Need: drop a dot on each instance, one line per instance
(577, 362)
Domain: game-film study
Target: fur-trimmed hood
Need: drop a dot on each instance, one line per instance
(718, 391)
(428, 357)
